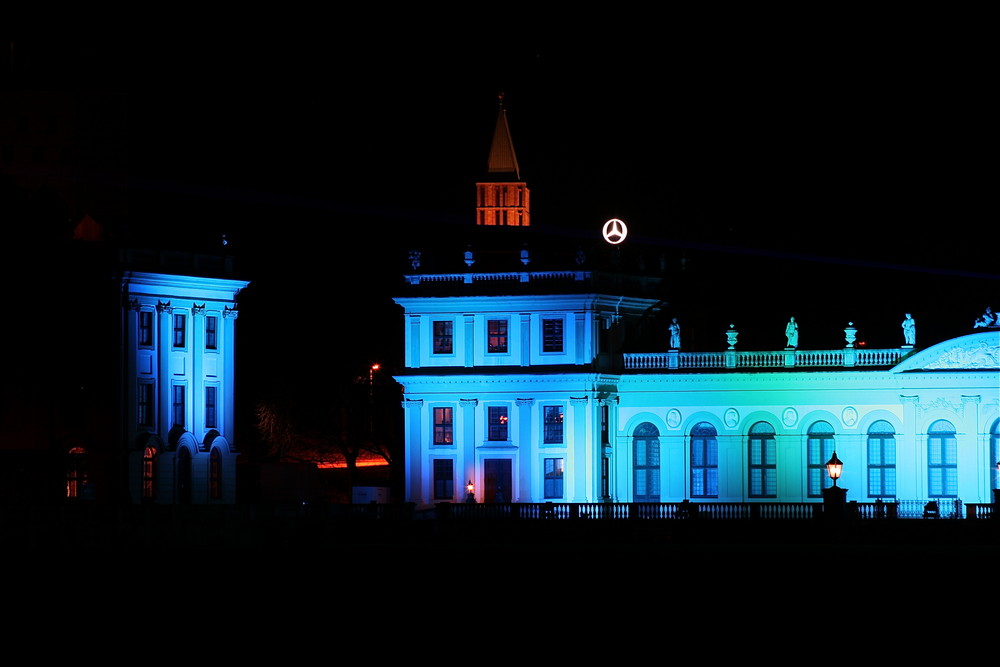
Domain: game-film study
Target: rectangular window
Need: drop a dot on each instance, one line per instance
(444, 479)
(179, 329)
(145, 328)
(763, 468)
(553, 478)
(210, 418)
(211, 336)
(178, 405)
(552, 335)
(443, 428)
(704, 466)
(553, 416)
(443, 343)
(819, 450)
(497, 336)
(882, 466)
(497, 423)
(144, 404)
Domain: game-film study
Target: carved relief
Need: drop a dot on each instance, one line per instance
(984, 355)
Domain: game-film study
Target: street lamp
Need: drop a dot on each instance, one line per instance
(371, 402)
(834, 467)
(470, 496)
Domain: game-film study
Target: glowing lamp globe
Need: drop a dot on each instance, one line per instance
(834, 467)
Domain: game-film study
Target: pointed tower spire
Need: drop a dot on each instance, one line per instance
(500, 202)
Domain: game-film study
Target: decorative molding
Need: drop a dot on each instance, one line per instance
(578, 400)
(673, 418)
(468, 402)
(164, 307)
(133, 304)
(983, 355)
(789, 417)
(197, 310)
(230, 312)
(732, 418)
(412, 402)
(521, 402)
(849, 416)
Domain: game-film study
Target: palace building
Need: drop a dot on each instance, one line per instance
(541, 371)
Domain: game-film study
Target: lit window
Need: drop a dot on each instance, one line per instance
(704, 461)
(76, 472)
(444, 479)
(820, 448)
(763, 461)
(552, 335)
(145, 328)
(443, 337)
(881, 460)
(179, 329)
(443, 433)
(210, 412)
(553, 478)
(497, 335)
(497, 423)
(211, 324)
(553, 415)
(646, 463)
(942, 460)
(148, 472)
(178, 405)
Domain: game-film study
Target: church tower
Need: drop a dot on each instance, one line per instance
(502, 201)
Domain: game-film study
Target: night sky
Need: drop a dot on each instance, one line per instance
(840, 172)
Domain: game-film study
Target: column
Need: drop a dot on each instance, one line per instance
(413, 460)
(226, 399)
(466, 464)
(525, 450)
(579, 467)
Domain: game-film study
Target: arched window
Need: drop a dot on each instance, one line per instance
(704, 461)
(76, 472)
(215, 473)
(942, 460)
(881, 460)
(763, 461)
(646, 463)
(819, 446)
(148, 472)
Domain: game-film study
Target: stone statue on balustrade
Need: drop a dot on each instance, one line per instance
(675, 335)
(792, 333)
(909, 330)
(987, 319)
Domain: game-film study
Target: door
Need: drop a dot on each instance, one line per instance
(497, 481)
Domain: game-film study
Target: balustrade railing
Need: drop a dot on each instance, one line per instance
(676, 360)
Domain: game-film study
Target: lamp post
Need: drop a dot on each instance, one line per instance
(371, 402)
(834, 496)
(470, 496)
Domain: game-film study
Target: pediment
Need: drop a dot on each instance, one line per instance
(976, 352)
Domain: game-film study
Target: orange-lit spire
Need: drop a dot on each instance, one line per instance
(502, 203)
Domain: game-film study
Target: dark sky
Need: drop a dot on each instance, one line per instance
(836, 171)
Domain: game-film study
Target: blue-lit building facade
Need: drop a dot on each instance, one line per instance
(537, 372)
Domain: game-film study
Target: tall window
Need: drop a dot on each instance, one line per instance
(211, 332)
(553, 416)
(444, 479)
(819, 449)
(148, 472)
(552, 335)
(76, 472)
(443, 427)
(180, 322)
(881, 460)
(763, 461)
(144, 404)
(942, 460)
(443, 337)
(496, 336)
(215, 473)
(210, 411)
(553, 478)
(497, 423)
(995, 454)
(704, 461)
(646, 463)
(146, 328)
(178, 405)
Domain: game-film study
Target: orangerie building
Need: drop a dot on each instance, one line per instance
(525, 381)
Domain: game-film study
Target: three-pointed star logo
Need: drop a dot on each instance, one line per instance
(615, 231)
